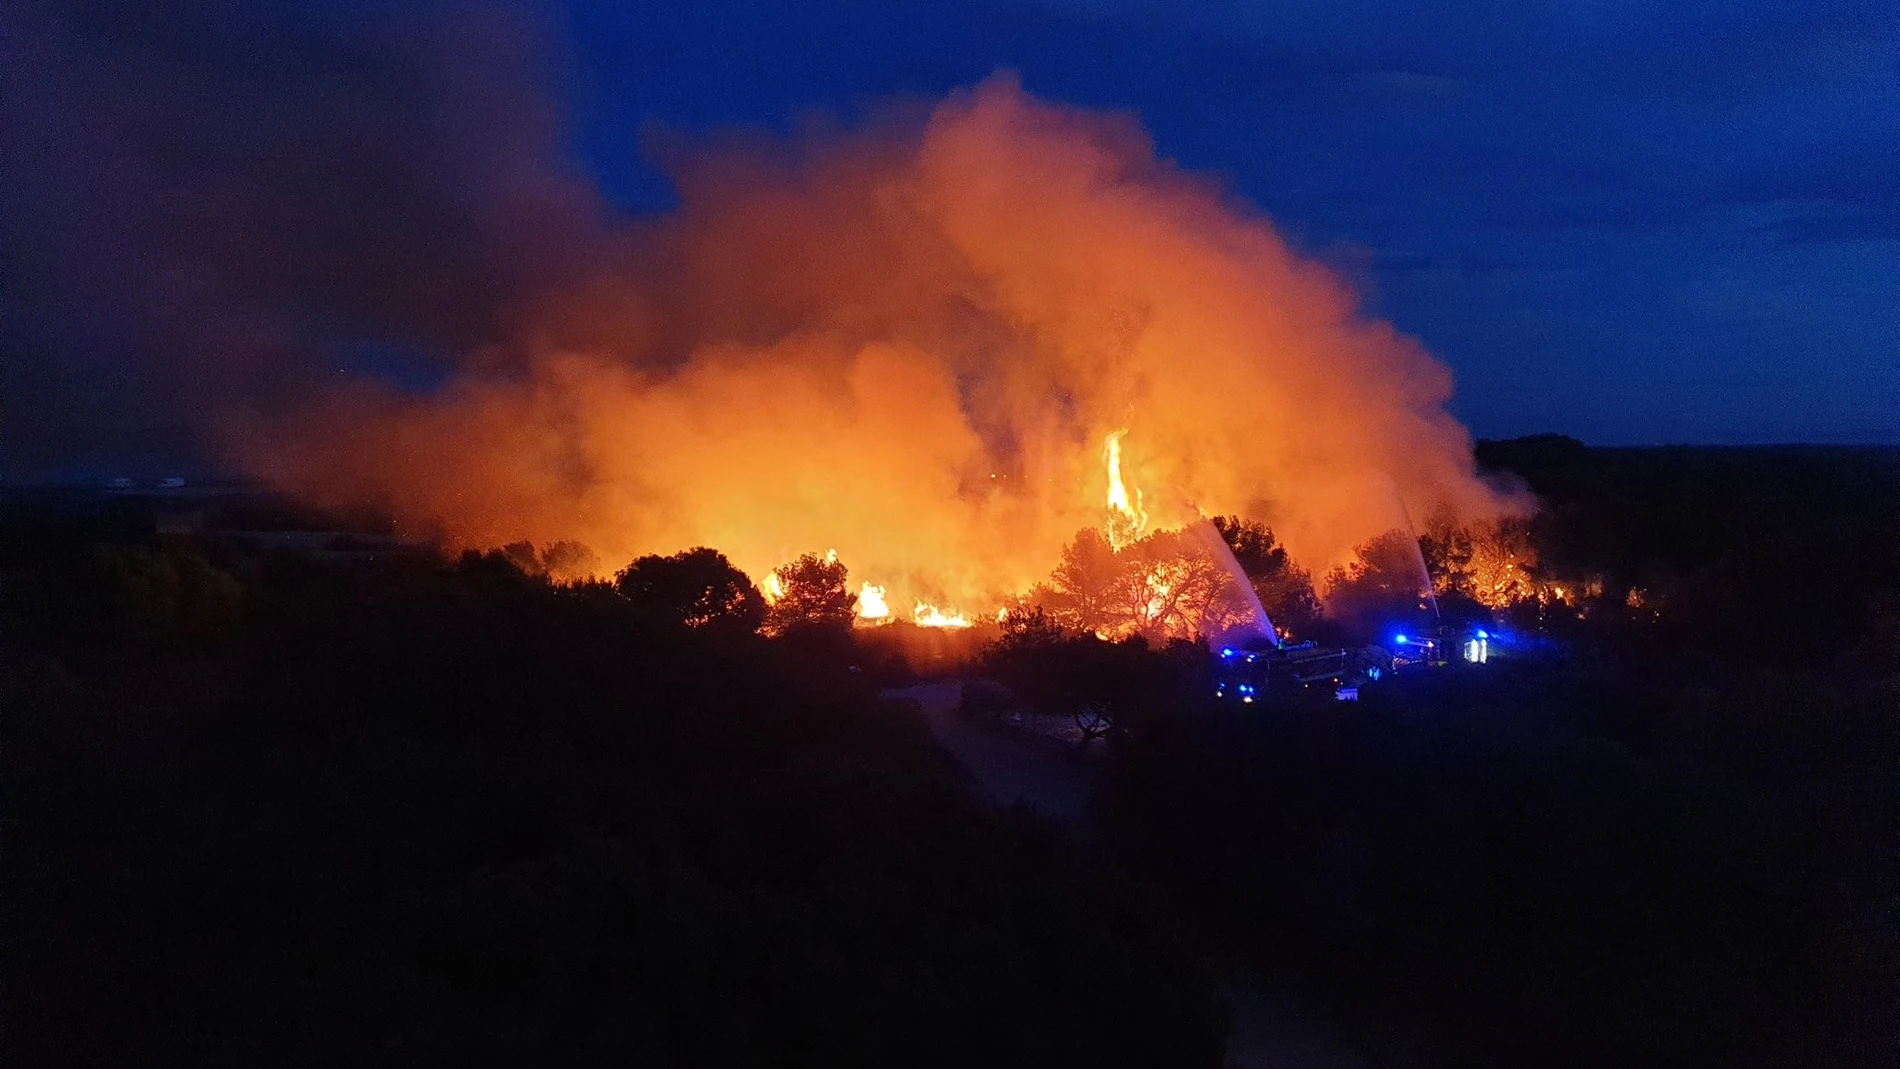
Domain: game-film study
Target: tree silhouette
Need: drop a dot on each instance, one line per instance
(524, 557)
(811, 593)
(565, 562)
(1285, 589)
(1028, 627)
(1386, 582)
(571, 561)
(1255, 548)
(699, 587)
(1084, 592)
(1099, 684)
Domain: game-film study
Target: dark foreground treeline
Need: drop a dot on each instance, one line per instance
(262, 813)
(1764, 554)
(1648, 837)
(1464, 869)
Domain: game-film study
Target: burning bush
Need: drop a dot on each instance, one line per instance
(809, 592)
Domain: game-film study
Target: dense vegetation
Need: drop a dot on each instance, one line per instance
(1787, 555)
(1660, 835)
(413, 815)
(263, 810)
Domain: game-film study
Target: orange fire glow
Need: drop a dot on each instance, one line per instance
(923, 345)
(928, 615)
(1126, 520)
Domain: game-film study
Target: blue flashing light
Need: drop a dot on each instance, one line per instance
(1227, 652)
(1483, 634)
(1400, 640)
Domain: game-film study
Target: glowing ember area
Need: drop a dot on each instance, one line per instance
(1499, 581)
(772, 588)
(927, 615)
(871, 604)
(925, 347)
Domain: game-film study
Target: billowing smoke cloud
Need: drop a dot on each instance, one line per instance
(212, 206)
(911, 349)
(908, 343)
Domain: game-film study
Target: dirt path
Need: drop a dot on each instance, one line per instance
(1273, 1028)
(1010, 772)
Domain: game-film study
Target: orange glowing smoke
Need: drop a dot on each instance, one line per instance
(919, 345)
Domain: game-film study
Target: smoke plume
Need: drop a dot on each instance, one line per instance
(908, 343)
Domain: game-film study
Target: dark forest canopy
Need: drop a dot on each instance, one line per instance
(1785, 550)
(459, 814)
(352, 802)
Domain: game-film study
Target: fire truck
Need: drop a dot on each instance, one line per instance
(1440, 646)
(1256, 671)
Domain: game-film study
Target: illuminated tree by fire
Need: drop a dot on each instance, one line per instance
(810, 591)
(1171, 588)
(1163, 585)
(1083, 592)
(1503, 565)
(1494, 563)
(1122, 579)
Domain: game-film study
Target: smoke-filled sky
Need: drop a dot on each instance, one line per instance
(1626, 220)
(1623, 221)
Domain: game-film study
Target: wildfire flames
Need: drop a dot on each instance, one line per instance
(1125, 522)
(871, 604)
(927, 615)
(874, 609)
(942, 347)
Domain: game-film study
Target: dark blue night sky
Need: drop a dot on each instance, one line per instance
(1626, 221)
